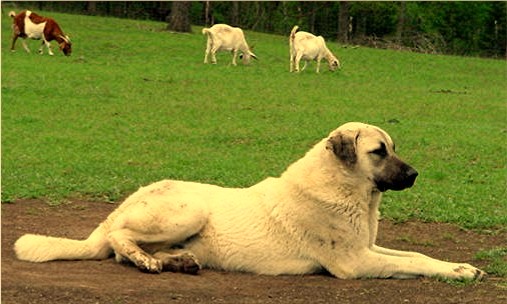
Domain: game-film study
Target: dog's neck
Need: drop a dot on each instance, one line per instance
(316, 176)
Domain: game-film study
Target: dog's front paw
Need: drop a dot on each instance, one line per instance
(185, 263)
(468, 272)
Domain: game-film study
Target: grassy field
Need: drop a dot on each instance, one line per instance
(135, 104)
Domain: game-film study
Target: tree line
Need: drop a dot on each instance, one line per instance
(459, 28)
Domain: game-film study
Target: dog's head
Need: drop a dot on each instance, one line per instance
(368, 152)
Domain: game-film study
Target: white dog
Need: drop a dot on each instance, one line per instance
(321, 213)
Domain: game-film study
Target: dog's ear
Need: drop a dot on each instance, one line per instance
(344, 147)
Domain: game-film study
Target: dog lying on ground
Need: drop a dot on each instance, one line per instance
(321, 213)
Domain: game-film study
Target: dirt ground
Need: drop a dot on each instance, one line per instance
(108, 282)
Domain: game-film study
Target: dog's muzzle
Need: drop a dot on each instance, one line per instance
(397, 179)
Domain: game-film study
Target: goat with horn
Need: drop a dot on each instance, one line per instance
(27, 24)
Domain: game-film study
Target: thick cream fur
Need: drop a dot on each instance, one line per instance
(319, 214)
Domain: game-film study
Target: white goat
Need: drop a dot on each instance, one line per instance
(306, 46)
(222, 37)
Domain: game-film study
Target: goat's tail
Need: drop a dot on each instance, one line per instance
(40, 248)
(205, 31)
(293, 32)
(292, 37)
(12, 14)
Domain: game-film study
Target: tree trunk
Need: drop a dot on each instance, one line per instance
(179, 18)
(91, 7)
(207, 13)
(400, 28)
(343, 22)
(259, 12)
(311, 17)
(235, 14)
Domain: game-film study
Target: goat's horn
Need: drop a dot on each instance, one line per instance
(65, 38)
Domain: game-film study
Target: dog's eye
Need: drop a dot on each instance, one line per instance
(382, 151)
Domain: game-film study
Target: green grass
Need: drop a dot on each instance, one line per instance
(497, 261)
(135, 104)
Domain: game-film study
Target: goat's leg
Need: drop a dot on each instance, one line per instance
(14, 38)
(297, 60)
(25, 46)
(208, 49)
(15, 34)
(213, 48)
(206, 56)
(213, 55)
(304, 65)
(41, 51)
(291, 69)
(318, 65)
(48, 45)
(234, 55)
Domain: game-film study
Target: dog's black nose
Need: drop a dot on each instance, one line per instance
(411, 176)
(412, 172)
(403, 177)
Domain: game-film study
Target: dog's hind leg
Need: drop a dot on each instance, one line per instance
(157, 215)
(124, 243)
(161, 232)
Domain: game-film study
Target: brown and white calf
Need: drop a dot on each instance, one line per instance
(223, 37)
(28, 24)
(306, 46)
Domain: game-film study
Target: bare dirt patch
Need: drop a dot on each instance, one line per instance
(108, 282)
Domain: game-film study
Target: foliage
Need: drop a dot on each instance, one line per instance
(461, 26)
(374, 18)
(136, 105)
(449, 27)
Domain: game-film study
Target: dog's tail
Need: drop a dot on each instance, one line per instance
(40, 248)
(12, 14)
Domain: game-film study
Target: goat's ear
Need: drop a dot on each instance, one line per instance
(253, 55)
(344, 147)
